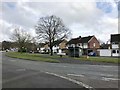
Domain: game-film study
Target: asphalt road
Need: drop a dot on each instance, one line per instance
(18, 73)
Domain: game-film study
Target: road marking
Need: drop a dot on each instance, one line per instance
(75, 75)
(109, 79)
(21, 69)
(12, 60)
(70, 79)
(108, 75)
(64, 66)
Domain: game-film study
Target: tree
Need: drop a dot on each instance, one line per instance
(51, 28)
(6, 45)
(22, 39)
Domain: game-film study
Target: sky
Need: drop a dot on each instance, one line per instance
(82, 18)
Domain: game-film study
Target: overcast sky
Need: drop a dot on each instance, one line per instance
(82, 18)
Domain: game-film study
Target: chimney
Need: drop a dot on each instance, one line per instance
(79, 37)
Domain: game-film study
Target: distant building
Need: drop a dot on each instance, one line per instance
(115, 44)
(87, 44)
(59, 46)
(43, 47)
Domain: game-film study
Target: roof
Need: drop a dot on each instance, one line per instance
(115, 38)
(42, 44)
(85, 39)
(57, 42)
(74, 40)
(105, 46)
(80, 40)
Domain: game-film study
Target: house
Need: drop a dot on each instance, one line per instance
(59, 46)
(105, 46)
(105, 50)
(115, 44)
(43, 47)
(74, 47)
(87, 44)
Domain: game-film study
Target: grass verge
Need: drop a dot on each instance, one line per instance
(36, 57)
(100, 59)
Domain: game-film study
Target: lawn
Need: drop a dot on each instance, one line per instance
(54, 58)
(100, 59)
(28, 56)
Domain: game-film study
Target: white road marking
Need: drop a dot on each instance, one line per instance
(108, 75)
(70, 79)
(109, 79)
(21, 70)
(64, 66)
(12, 60)
(108, 66)
(75, 75)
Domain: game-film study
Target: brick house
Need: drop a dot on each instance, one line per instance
(87, 44)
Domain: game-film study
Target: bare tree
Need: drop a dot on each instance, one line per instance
(22, 38)
(51, 28)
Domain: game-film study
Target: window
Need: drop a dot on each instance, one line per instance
(113, 42)
(114, 51)
(93, 44)
(117, 51)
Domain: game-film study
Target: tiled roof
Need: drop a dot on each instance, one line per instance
(85, 39)
(74, 40)
(105, 46)
(57, 42)
(80, 40)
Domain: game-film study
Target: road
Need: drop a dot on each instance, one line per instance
(18, 73)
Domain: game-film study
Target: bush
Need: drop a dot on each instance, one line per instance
(22, 50)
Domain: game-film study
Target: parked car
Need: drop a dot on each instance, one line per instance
(92, 54)
(7, 50)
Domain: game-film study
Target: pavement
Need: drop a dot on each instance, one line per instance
(18, 73)
(87, 62)
(71, 60)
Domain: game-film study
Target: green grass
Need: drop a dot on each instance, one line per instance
(100, 59)
(37, 57)
(48, 58)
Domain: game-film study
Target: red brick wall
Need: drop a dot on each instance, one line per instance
(94, 40)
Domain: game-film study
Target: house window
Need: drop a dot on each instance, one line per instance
(93, 44)
(117, 51)
(113, 42)
(114, 51)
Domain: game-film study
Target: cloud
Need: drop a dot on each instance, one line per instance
(4, 30)
(83, 18)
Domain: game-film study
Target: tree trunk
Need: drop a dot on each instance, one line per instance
(51, 51)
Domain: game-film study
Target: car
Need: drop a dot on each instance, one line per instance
(92, 54)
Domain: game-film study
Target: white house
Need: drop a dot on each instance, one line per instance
(115, 45)
(59, 46)
(105, 50)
